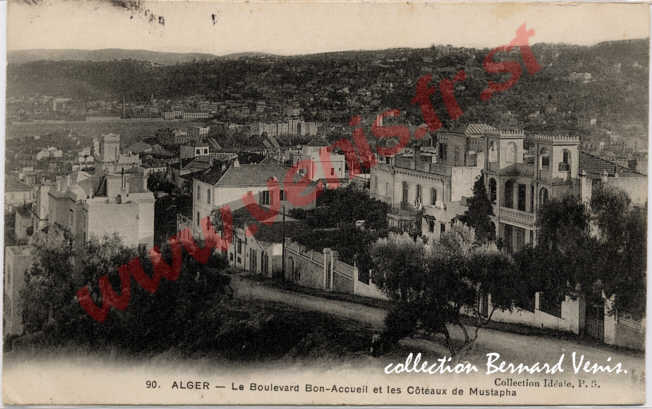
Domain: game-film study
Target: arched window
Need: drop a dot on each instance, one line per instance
(544, 155)
(543, 196)
(509, 194)
(493, 153)
(492, 190)
(565, 164)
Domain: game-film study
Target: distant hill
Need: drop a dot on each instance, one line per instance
(599, 90)
(108, 54)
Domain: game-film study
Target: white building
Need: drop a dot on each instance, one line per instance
(318, 162)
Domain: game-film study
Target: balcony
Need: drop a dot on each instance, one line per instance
(517, 217)
(383, 198)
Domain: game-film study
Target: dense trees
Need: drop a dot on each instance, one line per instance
(152, 321)
(333, 224)
(158, 182)
(442, 283)
(598, 251)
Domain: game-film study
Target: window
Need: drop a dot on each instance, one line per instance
(239, 246)
(442, 228)
(431, 226)
(531, 202)
(521, 197)
(492, 190)
(405, 192)
(198, 192)
(418, 199)
(493, 153)
(442, 151)
(264, 197)
(387, 189)
(282, 195)
(433, 196)
(332, 171)
(208, 196)
(253, 260)
(197, 218)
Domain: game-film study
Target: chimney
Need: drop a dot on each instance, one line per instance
(586, 187)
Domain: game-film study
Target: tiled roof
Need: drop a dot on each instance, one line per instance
(317, 142)
(254, 174)
(195, 164)
(14, 185)
(210, 176)
(478, 129)
(139, 147)
(595, 166)
(214, 144)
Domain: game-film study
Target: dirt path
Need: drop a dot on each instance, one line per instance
(512, 347)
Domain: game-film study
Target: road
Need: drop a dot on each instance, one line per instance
(512, 347)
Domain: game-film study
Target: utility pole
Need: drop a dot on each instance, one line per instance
(283, 252)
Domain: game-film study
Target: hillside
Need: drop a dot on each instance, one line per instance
(607, 82)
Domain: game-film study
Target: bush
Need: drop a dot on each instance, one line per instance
(400, 322)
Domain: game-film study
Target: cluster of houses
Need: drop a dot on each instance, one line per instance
(520, 174)
(430, 183)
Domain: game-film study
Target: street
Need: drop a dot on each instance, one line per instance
(512, 347)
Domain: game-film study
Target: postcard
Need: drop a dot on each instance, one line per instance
(325, 203)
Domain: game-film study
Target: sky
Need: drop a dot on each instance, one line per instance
(293, 27)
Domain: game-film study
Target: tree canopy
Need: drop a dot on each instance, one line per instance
(151, 321)
(439, 283)
(479, 211)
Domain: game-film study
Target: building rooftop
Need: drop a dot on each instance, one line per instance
(15, 185)
(478, 129)
(211, 175)
(254, 174)
(139, 147)
(595, 166)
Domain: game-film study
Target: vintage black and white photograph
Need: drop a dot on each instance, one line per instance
(365, 203)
